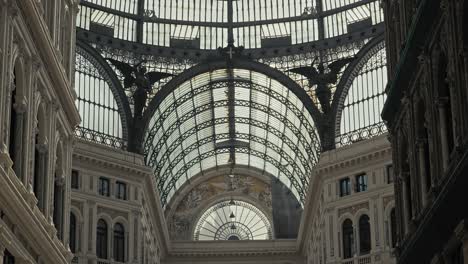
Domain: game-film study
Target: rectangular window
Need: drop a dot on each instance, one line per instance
(103, 187)
(121, 191)
(345, 187)
(75, 180)
(389, 173)
(361, 183)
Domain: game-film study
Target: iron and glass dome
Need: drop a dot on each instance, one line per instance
(226, 105)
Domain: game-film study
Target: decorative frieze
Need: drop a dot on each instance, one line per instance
(353, 209)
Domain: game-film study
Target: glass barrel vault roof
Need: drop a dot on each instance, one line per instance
(200, 127)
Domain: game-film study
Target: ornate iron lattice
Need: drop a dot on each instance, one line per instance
(285, 63)
(365, 96)
(269, 129)
(233, 220)
(101, 115)
(152, 62)
(203, 24)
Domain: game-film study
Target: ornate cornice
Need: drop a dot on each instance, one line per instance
(109, 158)
(233, 249)
(355, 160)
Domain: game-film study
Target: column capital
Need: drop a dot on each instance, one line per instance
(21, 105)
(42, 147)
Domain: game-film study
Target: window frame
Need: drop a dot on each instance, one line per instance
(362, 186)
(119, 243)
(345, 190)
(102, 239)
(73, 233)
(75, 180)
(119, 187)
(389, 171)
(347, 230)
(365, 245)
(101, 190)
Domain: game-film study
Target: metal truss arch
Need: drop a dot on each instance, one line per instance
(231, 116)
(236, 63)
(114, 84)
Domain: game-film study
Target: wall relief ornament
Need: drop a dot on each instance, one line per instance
(183, 217)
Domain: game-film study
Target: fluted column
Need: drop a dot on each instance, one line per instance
(442, 109)
(422, 169)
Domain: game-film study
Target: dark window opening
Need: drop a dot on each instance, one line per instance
(393, 227)
(75, 180)
(104, 187)
(361, 183)
(101, 239)
(119, 243)
(348, 239)
(390, 173)
(8, 258)
(345, 187)
(364, 235)
(73, 233)
(121, 191)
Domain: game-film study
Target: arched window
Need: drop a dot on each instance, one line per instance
(73, 233)
(8, 258)
(364, 235)
(119, 243)
(393, 227)
(348, 239)
(101, 239)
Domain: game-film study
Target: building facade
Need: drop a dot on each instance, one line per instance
(426, 115)
(236, 143)
(37, 118)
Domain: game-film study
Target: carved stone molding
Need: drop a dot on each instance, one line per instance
(353, 209)
(387, 199)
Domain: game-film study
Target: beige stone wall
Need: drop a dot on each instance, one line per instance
(326, 209)
(35, 68)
